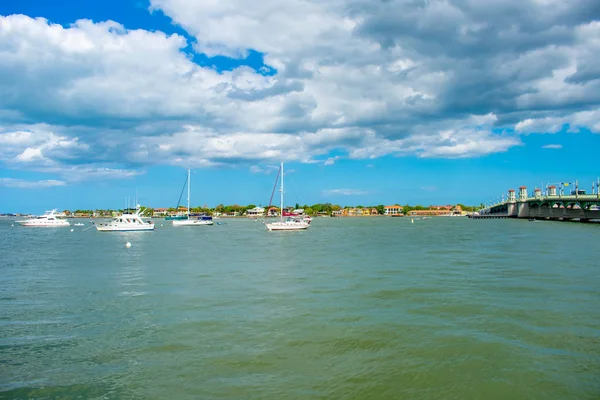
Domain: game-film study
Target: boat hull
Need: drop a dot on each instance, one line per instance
(48, 224)
(191, 222)
(275, 226)
(117, 228)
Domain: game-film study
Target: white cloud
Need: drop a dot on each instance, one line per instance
(23, 184)
(344, 192)
(256, 169)
(331, 160)
(573, 121)
(552, 146)
(362, 79)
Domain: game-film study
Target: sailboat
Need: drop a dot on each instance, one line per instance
(179, 214)
(202, 220)
(289, 223)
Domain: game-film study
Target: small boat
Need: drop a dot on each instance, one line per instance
(191, 220)
(126, 223)
(289, 223)
(78, 224)
(50, 219)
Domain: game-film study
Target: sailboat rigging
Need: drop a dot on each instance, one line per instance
(289, 223)
(178, 215)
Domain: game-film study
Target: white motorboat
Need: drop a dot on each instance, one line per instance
(126, 223)
(190, 220)
(289, 223)
(49, 219)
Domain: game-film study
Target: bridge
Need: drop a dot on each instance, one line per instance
(551, 205)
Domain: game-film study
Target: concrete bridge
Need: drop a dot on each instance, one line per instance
(551, 206)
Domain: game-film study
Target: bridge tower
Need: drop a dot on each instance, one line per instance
(512, 198)
(523, 193)
(522, 206)
(537, 193)
(552, 190)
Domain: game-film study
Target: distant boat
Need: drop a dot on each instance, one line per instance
(126, 223)
(290, 223)
(49, 220)
(189, 221)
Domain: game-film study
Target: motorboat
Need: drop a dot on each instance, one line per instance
(126, 222)
(289, 223)
(50, 219)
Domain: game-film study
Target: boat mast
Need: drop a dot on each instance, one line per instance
(189, 188)
(281, 191)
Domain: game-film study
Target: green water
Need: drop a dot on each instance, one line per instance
(371, 308)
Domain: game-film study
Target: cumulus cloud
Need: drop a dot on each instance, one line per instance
(356, 78)
(42, 150)
(23, 184)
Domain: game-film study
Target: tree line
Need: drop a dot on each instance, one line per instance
(313, 209)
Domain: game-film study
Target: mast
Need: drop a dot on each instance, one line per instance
(281, 191)
(189, 188)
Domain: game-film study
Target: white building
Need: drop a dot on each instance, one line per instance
(393, 210)
(255, 212)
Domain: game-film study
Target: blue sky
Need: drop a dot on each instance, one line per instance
(366, 102)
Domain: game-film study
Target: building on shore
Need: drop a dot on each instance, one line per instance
(437, 211)
(255, 212)
(160, 212)
(355, 212)
(392, 210)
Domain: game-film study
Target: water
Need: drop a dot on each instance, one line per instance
(363, 308)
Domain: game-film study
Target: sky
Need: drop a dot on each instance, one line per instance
(365, 101)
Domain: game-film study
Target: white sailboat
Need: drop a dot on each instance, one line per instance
(198, 221)
(289, 223)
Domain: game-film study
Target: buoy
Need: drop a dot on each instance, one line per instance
(127, 244)
(72, 230)
(412, 221)
(161, 225)
(13, 225)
